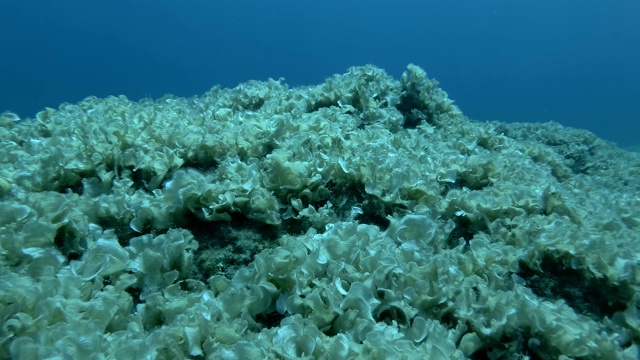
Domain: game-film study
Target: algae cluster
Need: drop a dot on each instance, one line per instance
(365, 217)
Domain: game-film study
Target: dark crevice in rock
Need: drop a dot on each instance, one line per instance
(74, 187)
(523, 344)
(374, 211)
(67, 241)
(135, 292)
(269, 320)
(121, 229)
(321, 104)
(390, 313)
(587, 294)
(296, 226)
(464, 229)
(413, 109)
(200, 164)
(225, 247)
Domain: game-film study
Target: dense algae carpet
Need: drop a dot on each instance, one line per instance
(362, 218)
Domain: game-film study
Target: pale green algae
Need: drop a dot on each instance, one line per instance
(362, 218)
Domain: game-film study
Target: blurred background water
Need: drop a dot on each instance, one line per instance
(574, 61)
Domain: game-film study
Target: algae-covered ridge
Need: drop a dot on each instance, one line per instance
(365, 217)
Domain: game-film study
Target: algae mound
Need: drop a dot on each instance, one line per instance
(365, 217)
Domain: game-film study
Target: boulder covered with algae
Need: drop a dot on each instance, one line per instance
(365, 217)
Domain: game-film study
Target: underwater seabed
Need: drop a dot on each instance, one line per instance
(365, 217)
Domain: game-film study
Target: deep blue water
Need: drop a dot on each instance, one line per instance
(575, 61)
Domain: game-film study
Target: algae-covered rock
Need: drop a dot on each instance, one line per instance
(365, 217)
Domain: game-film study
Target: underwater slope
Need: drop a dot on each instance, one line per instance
(365, 217)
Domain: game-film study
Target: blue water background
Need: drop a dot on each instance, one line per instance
(575, 62)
